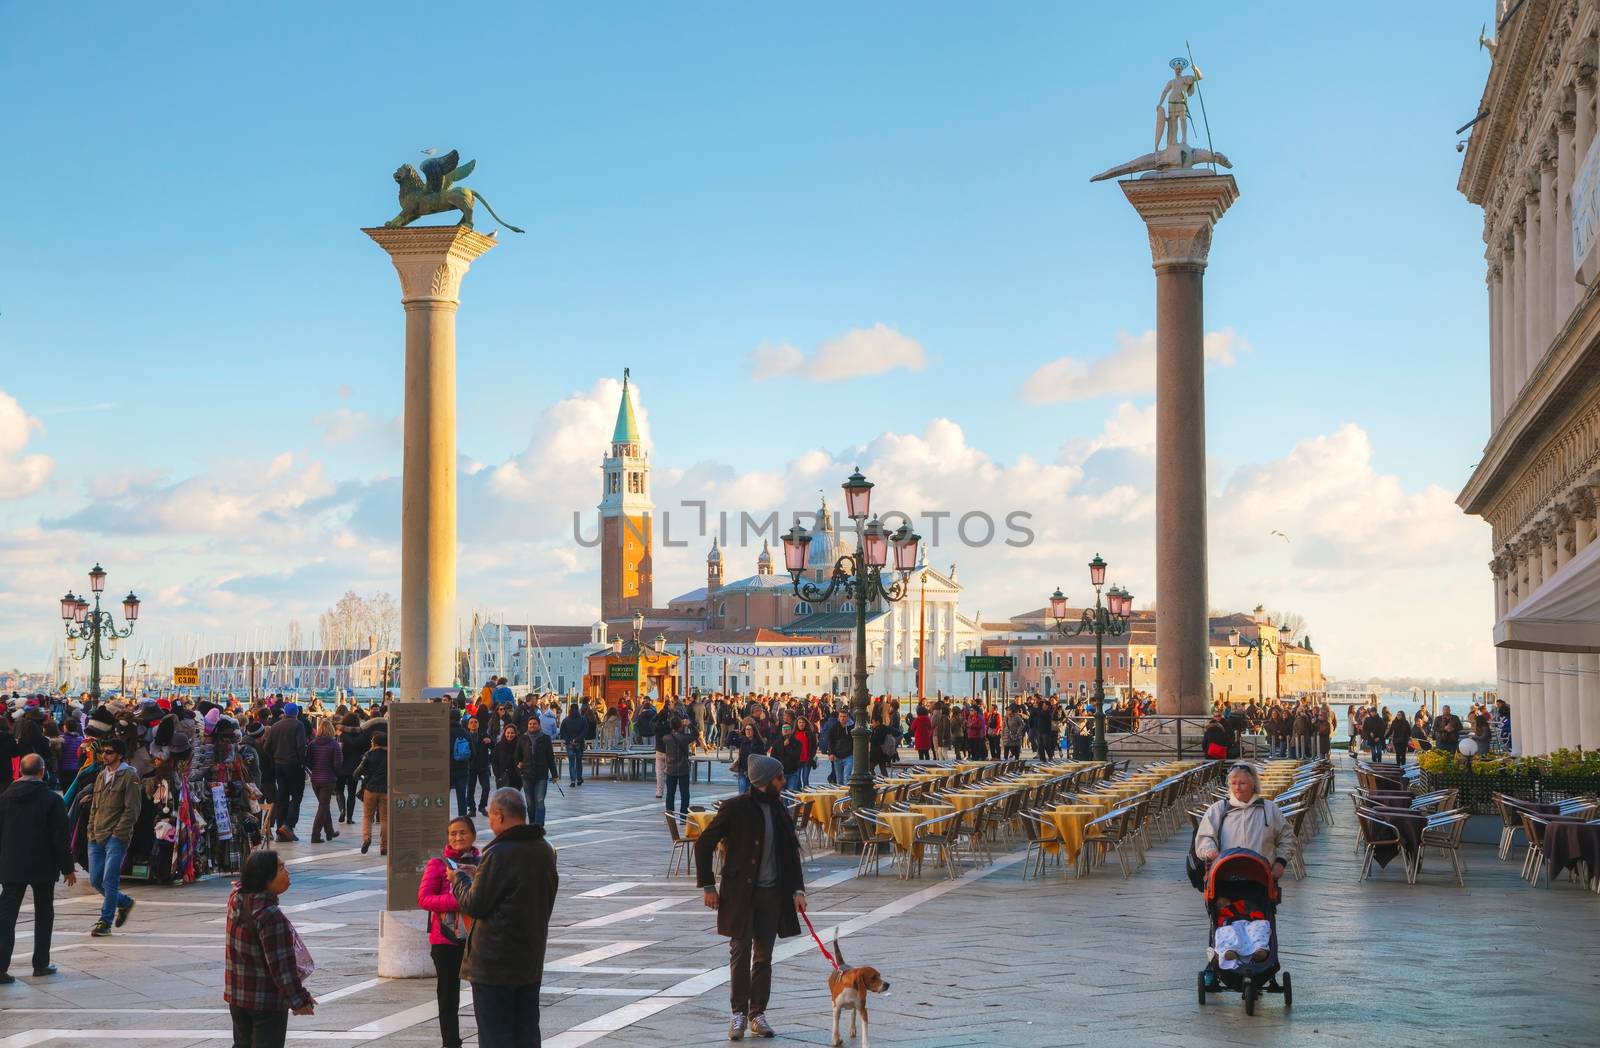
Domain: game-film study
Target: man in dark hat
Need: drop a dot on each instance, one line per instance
(763, 887)
(33, 853)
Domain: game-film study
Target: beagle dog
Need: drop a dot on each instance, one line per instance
(849, 988)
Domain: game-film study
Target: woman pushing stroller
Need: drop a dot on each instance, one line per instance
(1234, 840)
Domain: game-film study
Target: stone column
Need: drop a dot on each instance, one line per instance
(1533, 673)
(1523, 314)
(1179, 212)
(1567, 672)
(1533, 317)
(1589, 701)
(1566, 168)
(1496, 388)
(1583, 116)
(1549, 237)
(431, 261)
(1510, 344)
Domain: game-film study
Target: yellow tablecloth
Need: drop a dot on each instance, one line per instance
(933, 811)
(1069, 820)
(822, 802)
(963, 801)
(903, 824)
(696, 822)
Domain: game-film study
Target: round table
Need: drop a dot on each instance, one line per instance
(695, 823)
(903, 824)
(822, 802)
(1069, 821)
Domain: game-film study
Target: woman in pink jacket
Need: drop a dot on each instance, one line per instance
(447, 933)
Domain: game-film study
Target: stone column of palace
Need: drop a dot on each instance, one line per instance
(1549, 237)
(1180, 212)
(1532, 318)
(431, 262)
(1519, 312)
(1566, 168)
(1584, 113)
(1538, 715)
(1496, 389)
(1510, 348)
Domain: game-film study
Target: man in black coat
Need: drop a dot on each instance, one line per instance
(33, 852)
(763, 888)
(285, 742)
(510, 898)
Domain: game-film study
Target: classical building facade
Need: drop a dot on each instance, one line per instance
(1533, 164)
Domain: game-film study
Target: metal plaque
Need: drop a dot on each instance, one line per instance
(419, 792)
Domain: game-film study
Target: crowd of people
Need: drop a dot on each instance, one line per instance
(1376, 730)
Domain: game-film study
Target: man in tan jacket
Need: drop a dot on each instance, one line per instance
(114, 809)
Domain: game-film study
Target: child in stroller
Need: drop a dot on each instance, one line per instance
(1242, 907)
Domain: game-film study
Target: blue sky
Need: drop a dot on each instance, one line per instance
(188, 297)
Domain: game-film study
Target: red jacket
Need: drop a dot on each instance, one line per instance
(435, 896)
(922, 731)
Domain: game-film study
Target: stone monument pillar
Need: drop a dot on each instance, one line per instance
(1179, 209)
(431, 261)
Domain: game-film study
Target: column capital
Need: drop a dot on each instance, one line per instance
(1582, 503)
(431, 260)
(1179, 212)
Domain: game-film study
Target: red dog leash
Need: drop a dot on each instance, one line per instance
(818, 941)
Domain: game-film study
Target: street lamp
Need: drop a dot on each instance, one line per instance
(1110, 617)
(860, 576)
(1259, 647)
(94, 626)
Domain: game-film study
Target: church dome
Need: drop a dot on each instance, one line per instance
(824, 548)
(765, 559)
(715, 556)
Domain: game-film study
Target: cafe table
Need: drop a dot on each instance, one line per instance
(696, 823)
(1069, 821)
(903, 825)
(822, 802)
(933, 811)
(966, 799)
(1408, 824)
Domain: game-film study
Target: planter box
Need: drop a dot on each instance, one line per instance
(1477, 791)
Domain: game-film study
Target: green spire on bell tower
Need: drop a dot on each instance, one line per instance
(627, 431)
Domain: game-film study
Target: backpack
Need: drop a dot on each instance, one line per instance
(1191, 862)
(460, 749)
(888, 747)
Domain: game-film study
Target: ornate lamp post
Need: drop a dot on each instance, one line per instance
(1107, 619)
(1261, 645)
(95, 626)
(860, 576)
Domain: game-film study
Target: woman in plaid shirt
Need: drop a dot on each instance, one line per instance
(265, 963)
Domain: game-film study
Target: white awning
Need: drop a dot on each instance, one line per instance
(1563, 614)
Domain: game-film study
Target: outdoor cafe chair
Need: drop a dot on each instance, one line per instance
(1533, 827)
(1443, 832)
(682, 847)
(1378, 832)
(1111, 832)
(841, 830)
(1510, 824)
(970, 833)
(876, 835)
(1039, 832)
(937, 836)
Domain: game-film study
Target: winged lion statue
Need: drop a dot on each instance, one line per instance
(440, 191)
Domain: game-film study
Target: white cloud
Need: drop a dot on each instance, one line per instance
(1130, 370)
(857, 352)
(19, 474)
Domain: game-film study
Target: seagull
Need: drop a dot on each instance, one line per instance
(1280, 534)
(429, 152)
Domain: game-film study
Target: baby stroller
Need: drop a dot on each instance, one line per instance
(1240, 875)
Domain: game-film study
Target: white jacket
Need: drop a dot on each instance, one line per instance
(1258, 826)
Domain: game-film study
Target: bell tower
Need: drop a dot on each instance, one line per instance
(625, 530)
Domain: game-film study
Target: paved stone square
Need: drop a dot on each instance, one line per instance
(989, 959)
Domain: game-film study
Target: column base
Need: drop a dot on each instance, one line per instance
(403, 951)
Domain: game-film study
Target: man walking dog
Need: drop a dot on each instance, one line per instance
(763, 888)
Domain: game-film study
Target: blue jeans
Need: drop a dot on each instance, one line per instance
(841, 770)
(805, 775)
(533, 792)
(105, 874)
(574, 762)
(791, 782)
(678, 784)
(461, 782)
(744, 783)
